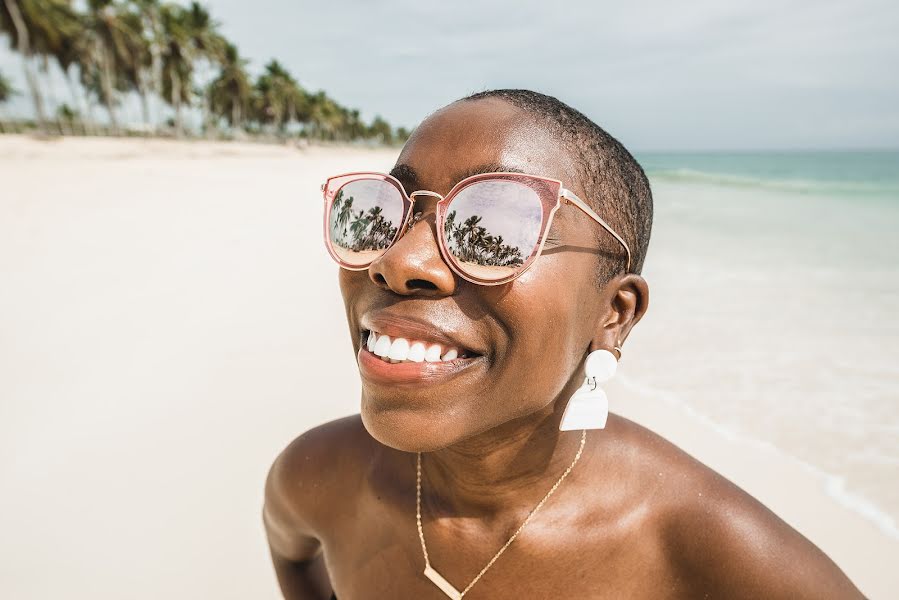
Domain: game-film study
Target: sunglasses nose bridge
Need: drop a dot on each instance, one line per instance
(427, 193)
(414, 215)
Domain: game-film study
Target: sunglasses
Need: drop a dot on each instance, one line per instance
(491, 227)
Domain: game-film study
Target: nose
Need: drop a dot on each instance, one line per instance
(414, 265)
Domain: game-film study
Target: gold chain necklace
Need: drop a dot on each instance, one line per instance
(436, 578)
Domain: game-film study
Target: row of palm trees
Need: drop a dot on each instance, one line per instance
(470, 241)
(160, 51)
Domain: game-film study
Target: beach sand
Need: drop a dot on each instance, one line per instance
(170, 319)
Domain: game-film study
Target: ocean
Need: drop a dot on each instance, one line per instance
(852, 174)
(774, 281)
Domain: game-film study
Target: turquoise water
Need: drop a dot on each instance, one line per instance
(773, 311)
(856, 173)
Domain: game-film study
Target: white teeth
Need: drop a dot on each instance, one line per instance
(382, 347)
(432, 354)
(399, 349)
(416, 352)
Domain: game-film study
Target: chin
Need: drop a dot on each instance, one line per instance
(410, 429)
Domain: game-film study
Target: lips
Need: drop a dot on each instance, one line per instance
(428, 332)
(397, 350)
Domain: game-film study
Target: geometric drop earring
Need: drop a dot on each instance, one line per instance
(588, 407)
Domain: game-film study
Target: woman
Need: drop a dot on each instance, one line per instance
(490, 282)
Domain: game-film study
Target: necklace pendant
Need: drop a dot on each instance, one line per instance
(445, 586)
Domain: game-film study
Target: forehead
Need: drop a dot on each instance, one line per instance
(474, 136)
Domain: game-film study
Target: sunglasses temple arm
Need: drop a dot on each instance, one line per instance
(570, 198)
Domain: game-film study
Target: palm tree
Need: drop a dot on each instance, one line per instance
(280, 98)
(176, 66)
(149, 12)
(352, 127)
(470, 230)
(231, 92)
(13, 21)
(512, 256)
(358, 228)
(205, 44)
(450, 230)
(137, 69)
(36, 28)
(72, 57)
(325, 116)
(116, 46)
(344, 209)
(190, 34)
(380, 128)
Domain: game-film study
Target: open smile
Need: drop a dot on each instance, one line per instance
(400, 349)
(395, 360)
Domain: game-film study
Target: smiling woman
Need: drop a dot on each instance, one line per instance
(484, 278)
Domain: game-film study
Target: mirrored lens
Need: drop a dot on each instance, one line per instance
(492, 227)
(364, 219)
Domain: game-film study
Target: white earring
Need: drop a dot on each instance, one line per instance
(588, 407)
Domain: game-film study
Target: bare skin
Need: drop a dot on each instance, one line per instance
(636, 518)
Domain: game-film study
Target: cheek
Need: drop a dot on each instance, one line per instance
(351, 287)
(545, 336)
(348, 281)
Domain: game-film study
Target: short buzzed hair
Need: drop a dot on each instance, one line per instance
(614, 182)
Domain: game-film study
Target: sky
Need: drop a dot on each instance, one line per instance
(659, 75)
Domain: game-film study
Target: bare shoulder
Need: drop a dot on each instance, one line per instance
(310, 479)
(720, 540)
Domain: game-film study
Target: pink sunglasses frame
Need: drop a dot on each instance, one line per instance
(552, 195)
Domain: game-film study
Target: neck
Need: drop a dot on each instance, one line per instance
(506, 469)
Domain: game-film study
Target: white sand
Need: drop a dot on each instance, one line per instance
(169, 319)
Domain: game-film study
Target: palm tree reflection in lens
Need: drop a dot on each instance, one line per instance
(359, 236)
(492, 227)
(470, 242)
(490, 231)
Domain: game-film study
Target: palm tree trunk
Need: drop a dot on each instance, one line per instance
(208, 121)
(156, 67)
(106, 83)
(24, 48)
(90, 122)
(155, 64)
(77, 101)
(53, 101)
(74, 97)
(176, 102)
(144, 102)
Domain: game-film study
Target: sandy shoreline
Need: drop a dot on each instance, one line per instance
(167, 324)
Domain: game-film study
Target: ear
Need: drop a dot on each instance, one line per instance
(626, 300)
